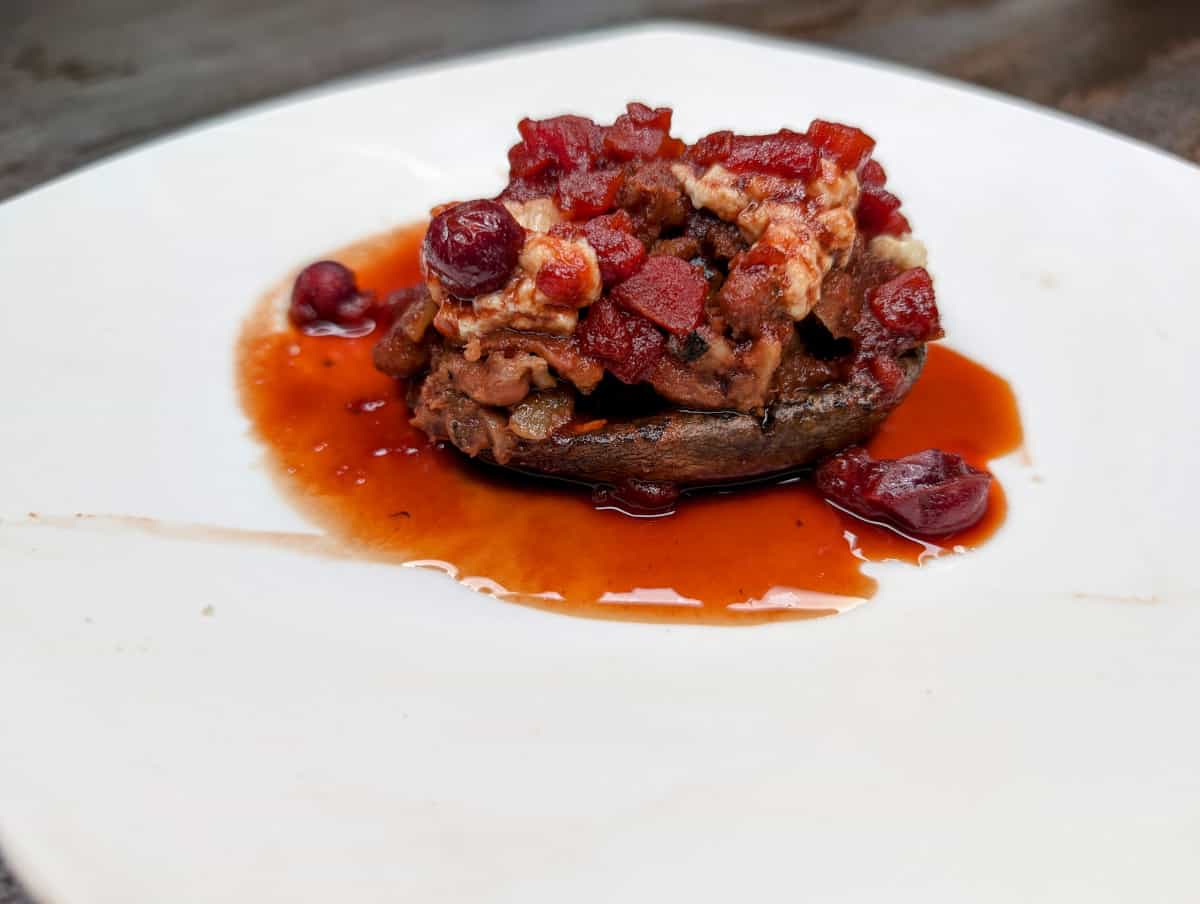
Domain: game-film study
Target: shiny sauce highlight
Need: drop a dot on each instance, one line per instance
(337, 430)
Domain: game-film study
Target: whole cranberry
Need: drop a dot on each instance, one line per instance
(327, 291)
(473, 247)
(930, 494)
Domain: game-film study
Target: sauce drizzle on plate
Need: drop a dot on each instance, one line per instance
(337, 431)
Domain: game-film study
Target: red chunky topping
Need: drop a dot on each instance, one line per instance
(584, 166)
(617, 190)
(628, 344)
(878, 209)
(646, 346)
(906, 305)
(583, 194)
(931, 493)
(897, 224)
(555, 155)
(900, 314)
(618, 251)
(668, 291)
(564, 279)
(784, 153)
(565, 142)
(873, 174)
(849, 146)
(875, 207)
(642, 134)
(580, 163)
(714, 147)
(602, 334)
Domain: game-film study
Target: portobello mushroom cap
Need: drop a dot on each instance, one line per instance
(689, 447)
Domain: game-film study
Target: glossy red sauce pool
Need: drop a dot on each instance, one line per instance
(338, 432)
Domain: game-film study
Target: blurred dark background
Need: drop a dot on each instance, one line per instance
(80, 79)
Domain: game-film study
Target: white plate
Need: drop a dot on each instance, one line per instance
(1017, 724)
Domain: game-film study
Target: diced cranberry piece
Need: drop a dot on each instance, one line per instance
(849, 146)
(907, 305)
(896, 224)
(668, 291)
(571, 142)
(583, 194)
(618, 251)
(931, 493)
(563, 279)
(525, 162)
(602, 334)
(619, 254)
(875, 206)
(785, 153)
(712, 148)
(639, 114)
(629, 345)
(328, 291)
(473, 247)
(637, 497)
(647, 345)
(873, 174)
(642, 134)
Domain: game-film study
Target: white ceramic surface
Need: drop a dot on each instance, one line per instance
(1014, 725)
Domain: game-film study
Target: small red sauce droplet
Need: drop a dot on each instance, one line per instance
(781, 545)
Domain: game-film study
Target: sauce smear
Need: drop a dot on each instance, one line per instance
(338, 431)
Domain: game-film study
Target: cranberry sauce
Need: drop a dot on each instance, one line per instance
(338, 432)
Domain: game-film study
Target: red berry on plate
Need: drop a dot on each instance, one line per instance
(327, 291)
(931, 493)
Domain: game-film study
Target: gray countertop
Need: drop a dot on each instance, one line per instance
(82, 80)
